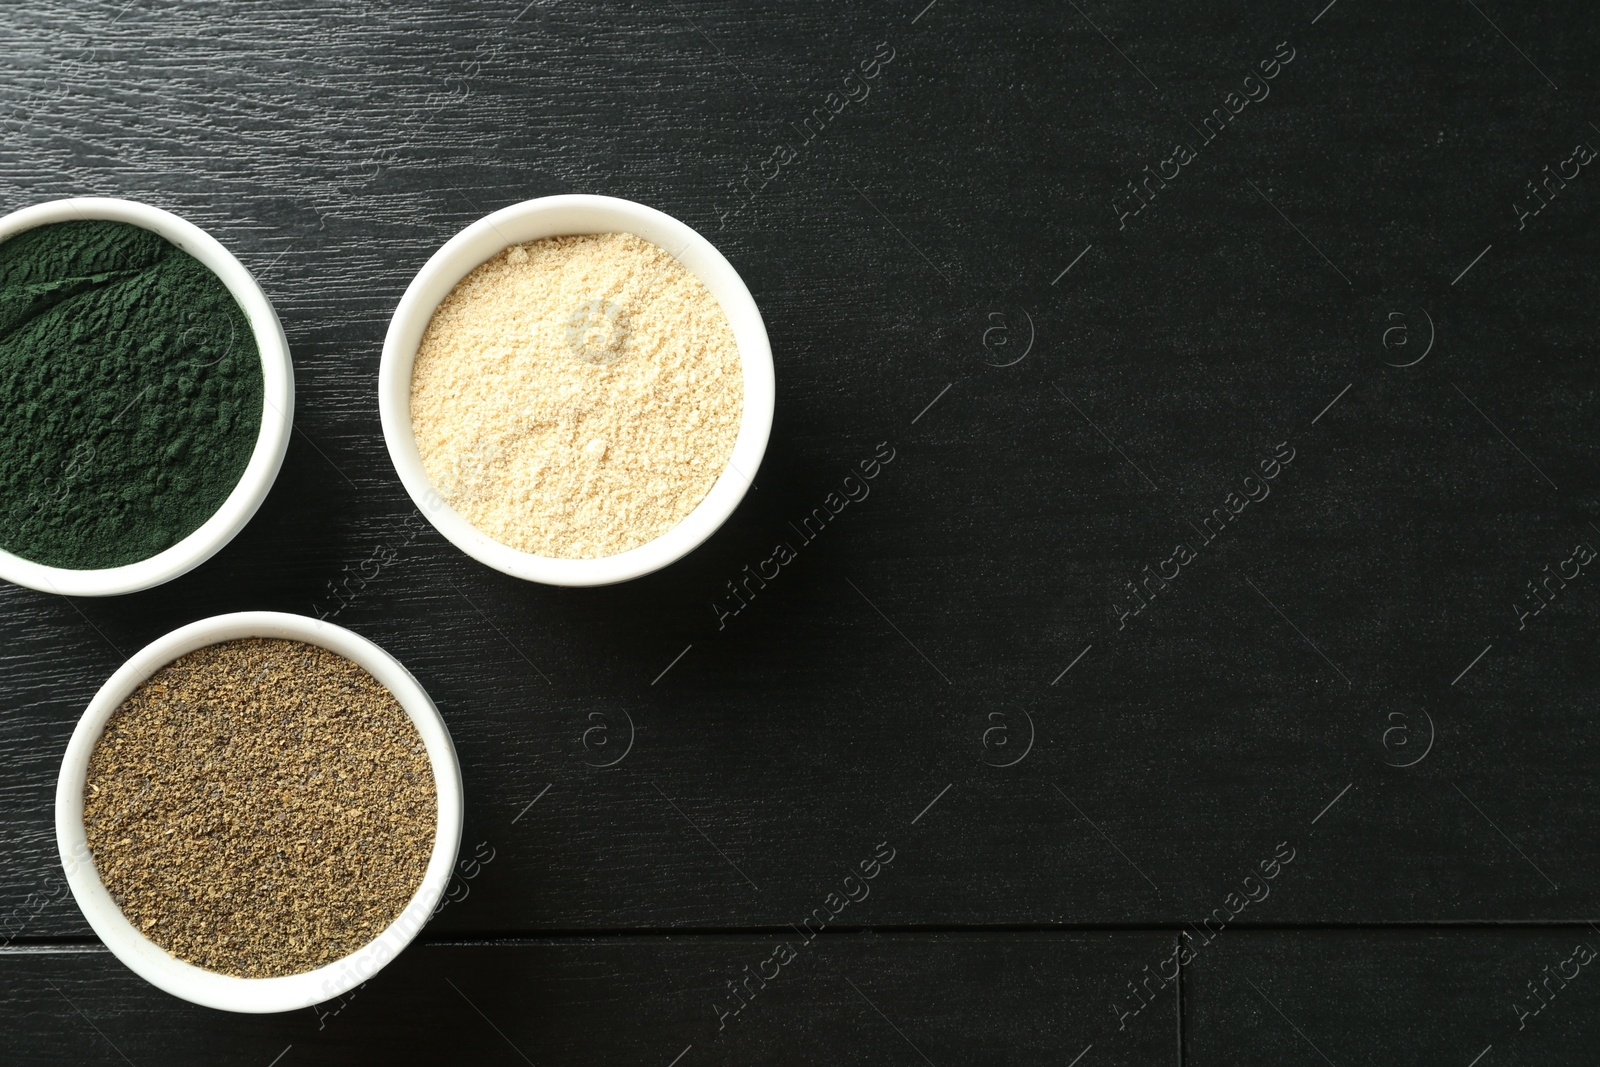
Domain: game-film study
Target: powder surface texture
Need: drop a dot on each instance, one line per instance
(577, 396)
(131, 389)
(260, 807)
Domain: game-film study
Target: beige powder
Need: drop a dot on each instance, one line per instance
(577, 396)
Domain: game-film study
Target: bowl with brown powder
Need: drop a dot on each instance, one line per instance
(258, 811)
(577, 390)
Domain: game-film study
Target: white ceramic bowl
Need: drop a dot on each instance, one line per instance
(186, 980)
(553, 216)
(277, 415)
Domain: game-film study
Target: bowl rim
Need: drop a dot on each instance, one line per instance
(550, 216)
(225, 992)
(277, 413)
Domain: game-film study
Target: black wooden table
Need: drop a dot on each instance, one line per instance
(1213, 657)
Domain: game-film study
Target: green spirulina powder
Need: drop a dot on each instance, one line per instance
(130, 394)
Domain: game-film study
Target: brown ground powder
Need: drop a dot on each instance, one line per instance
(577, 396)
(260, 807)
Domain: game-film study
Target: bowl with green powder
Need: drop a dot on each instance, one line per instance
(258, 811)
(146, 391)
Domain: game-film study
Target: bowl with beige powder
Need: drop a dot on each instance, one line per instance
(577, 390)
(258, 811)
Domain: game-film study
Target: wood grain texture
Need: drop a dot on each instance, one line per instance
(1396, 996)
(972, 999)
(956, 636)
